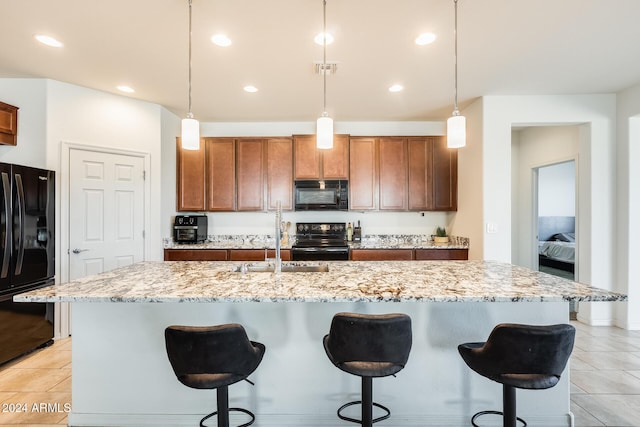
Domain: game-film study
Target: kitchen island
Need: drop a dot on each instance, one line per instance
(121, 375)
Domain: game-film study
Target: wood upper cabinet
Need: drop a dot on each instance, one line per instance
(221, 174)
(8, 124)
(445, 176)
(335, 162)
(280, 173)
(313, 163)
(433, 175)
(393, 173)
(250, 174)
(362, 171)
(190, 178)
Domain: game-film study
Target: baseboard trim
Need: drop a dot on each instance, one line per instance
(293, 420)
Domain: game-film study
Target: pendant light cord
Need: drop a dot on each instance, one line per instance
(190, 113)
(324, 55)
(455, 59)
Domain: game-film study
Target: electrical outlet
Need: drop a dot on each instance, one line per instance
(492, 228)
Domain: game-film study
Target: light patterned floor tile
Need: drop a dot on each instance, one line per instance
(612, 409)
(583, 418)
(32, 380)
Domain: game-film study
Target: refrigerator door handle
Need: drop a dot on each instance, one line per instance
(6, 188)
(21, 215)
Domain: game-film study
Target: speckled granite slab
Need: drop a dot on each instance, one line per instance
(374, 241)
(394, 281)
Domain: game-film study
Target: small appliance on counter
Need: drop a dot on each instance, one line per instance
(190, 228)
(357, 233)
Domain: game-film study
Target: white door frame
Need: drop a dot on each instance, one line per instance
(62, 310)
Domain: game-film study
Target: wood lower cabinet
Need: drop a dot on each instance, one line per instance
(223, 254)
(257, 254)
(195, 255)
(392, 181)
(221, 174)
(190, 178)
(250, 174)
(381, 254)
(280, 173)
(362, 173)
(441, 254)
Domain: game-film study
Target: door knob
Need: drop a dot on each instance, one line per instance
(77, 251)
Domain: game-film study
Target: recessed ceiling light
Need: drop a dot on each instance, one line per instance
(396, 88)
(320, 38)
(221, 40)
(125, 89)
(48, 40)
(425, 38)
(250, 89)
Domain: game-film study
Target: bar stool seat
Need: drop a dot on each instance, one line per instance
(368, 345)
(520, 356)
(213, 357)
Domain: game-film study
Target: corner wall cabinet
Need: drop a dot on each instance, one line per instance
(8, 124)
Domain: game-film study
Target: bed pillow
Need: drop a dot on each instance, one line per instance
(563, 237)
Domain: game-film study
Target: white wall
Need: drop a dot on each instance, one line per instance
(535, 147)
(262, 223)
(89, 117)
(628, 231)
(597, 170)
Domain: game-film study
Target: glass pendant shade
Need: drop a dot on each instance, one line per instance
(456, 131)
(324, 133)
(190, 134)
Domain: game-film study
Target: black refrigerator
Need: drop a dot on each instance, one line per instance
(27, 257)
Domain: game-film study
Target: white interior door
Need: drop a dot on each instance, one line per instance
(106, 211)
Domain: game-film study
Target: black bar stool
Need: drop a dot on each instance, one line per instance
(213, 357)
(368, 345)
(520, 356)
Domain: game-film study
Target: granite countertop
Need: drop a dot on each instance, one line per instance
(376, 241)
(393, 281)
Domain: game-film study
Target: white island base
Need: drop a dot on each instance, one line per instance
(121, 375)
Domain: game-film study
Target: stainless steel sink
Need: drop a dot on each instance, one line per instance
(286, 268)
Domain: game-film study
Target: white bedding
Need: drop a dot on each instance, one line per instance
(562, 251)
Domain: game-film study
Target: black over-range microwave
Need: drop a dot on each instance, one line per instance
(325, 195)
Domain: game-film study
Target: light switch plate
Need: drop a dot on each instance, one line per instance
(492, 228)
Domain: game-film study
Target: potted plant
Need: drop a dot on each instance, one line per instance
(441, 235)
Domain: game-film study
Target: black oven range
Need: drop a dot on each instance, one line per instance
(317, 241)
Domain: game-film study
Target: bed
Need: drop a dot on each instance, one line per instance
(556, 242)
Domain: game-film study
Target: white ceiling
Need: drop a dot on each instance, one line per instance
(505, 47)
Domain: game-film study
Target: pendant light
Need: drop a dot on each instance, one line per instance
(324, 128)
(190, 126)
(456, 124)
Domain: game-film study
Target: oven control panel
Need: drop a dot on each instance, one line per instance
(321, 228)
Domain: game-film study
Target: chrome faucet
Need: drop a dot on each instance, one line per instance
(278, 236)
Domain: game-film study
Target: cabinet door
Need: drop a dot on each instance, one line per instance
(190, 178)
(280, 173)
(381, 254)
(393, 167)
(335, 162)
(445, 176)
(362, 171)
(250, 174)
(442, 254)
(195, 254)
(307, 157)
(420, 197)
(221, 174)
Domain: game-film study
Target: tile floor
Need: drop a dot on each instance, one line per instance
(605, 381)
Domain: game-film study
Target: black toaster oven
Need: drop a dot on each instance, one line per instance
(190, 228)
